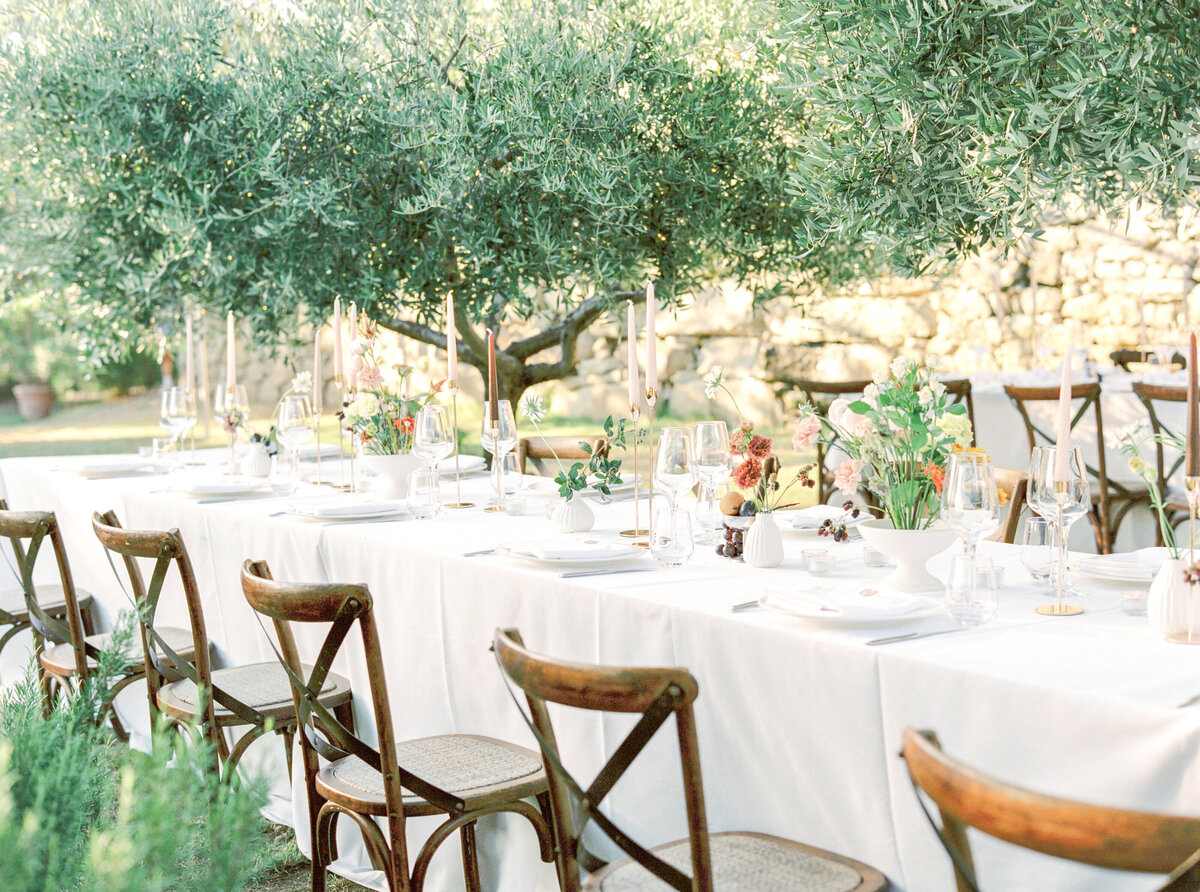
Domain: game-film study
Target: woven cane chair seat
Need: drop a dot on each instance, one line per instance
(261, 686)
(462, 764)
(49, 596)
(60, 659)
(741, 862)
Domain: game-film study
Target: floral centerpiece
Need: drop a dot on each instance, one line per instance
(1130, 440)
(381, 412)
(600, 472)
(897, 437)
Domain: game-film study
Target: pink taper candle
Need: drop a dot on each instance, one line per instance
(318, 402)
(493, 384)
(451, 340)
(189, 351)
(337, 339)
(1192, 464)
(651, 340)
(230, 359)
(1062, 446)
(353, 323)
(634, 398)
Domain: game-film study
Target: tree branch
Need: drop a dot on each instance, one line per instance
(572, 325)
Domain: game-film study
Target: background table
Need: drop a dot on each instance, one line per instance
(799, 725)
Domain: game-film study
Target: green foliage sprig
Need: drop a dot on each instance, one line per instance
(601, 472)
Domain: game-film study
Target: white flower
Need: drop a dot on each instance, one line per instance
(865, 430)
(880, 378)
(713, 382)
(532, 407)
(900, 365)
(871, 394)
(956, 426)
(938, 388)
(842, 416)
(925, 396)
(933, 360)
(366, 404)
(302, 383)
(1135, 433)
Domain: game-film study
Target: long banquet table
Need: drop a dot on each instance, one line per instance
(799, 724)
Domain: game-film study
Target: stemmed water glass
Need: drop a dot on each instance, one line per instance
(713, 465)
(177, 415)
(675, 464)
(499, 437)
(295, 426)
(1061, 502)
(970, 507)
(231, 408)
(432, 440)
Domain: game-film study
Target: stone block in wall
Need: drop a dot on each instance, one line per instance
(739, 357)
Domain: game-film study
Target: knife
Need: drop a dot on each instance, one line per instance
(912, 636)
(571, 574)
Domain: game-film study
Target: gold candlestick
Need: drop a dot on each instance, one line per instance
(452, 389)
(343, 485)
(1061, 495)
(497, 469)
(318, 413)
(635, 412)
(651, 399)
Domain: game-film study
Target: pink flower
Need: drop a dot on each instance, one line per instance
(370, 377)
(848, 476)
(737, 442)
(760, 446)
(807, 431)
(747, 473)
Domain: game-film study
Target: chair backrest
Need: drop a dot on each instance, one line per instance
(162, 663)
(1092, 834)
(1016, 484)
(542, 451)
(1089, 395)
(322, 734)
(1150, 394)
(26, 532)
(656, 694)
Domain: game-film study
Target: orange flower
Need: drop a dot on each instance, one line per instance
(407, 425)
(937, 475)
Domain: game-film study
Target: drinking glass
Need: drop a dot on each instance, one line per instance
(177, 415)
(283, 479)
(160, 453)
(971, 590)
(713, 465)
(499, 437)
(675, 465)
(295, 426)
(671, 537)
(424, 493)
(1037, 549)
(1061, 502)
(231, 408)
(432, 440)
(513, 479)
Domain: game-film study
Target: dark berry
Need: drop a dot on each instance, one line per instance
(729, 551)
(748, 509)
(721, 550)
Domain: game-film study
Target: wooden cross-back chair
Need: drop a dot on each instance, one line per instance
(256, 697)
(14, 603)
(1111, 500)
(541, 452)
(1016, 484)
(1111, 838)
(461, 776)
(700, 863)
(1149, 394)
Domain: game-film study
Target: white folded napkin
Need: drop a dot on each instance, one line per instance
(569, 549)
(849, 600)
(309, 451)
(219, 487)
(339, 506)
(111, 465)
(467, 464)
(1113, 567)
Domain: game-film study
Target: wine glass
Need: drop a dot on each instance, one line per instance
(675, 464)
(499, 437)
(970, 507)
(295, 426)
(177, 415)
(431, 435)
(231, 408)
(1062, 498)
(713, 465)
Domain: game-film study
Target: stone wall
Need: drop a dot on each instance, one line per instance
(1114, 282)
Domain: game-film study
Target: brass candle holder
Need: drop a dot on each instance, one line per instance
(1188, 635)
(452, 389)
(1061, 495)
(635, 412)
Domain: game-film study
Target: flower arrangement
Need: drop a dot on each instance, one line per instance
(600, 472)
(381, 413)
(897, 438)
(759, 468)
(1129, 440)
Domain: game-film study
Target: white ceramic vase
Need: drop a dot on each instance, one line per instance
(910, 549)
(255, 462)
(763, 543)
(1172, 607)
(391, 472)
(573, 516)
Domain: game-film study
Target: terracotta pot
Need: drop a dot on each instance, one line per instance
(34, 400)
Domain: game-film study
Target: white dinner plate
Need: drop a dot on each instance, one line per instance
(112, 467)
(467, 464)
(813, 613)
(339, 509)
(616, 552)
(232, 486)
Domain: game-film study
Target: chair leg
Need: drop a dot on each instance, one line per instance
(470, 857)
(87, 614)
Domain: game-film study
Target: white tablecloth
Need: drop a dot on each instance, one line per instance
(799, 725)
